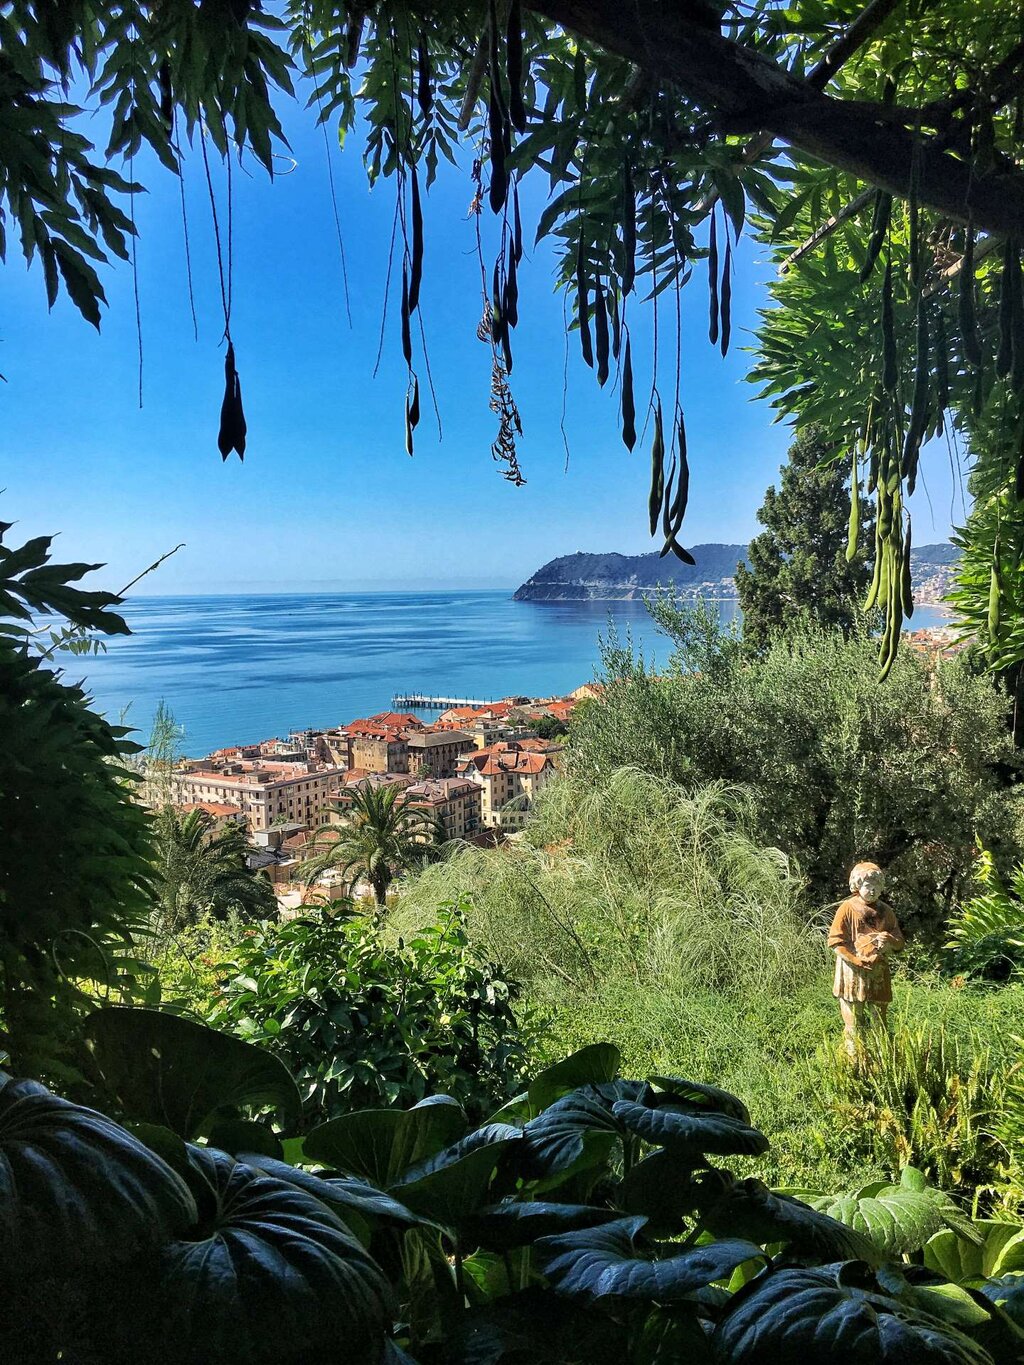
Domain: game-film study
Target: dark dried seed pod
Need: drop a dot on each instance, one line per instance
(713, 281)
(941, 363)
(231, 436)
(1004, 355)
(511, 296)
(628, 229)
(166, 95)
(583, 308)
(414, 406)
(517, 224)
(498, 192)
(969, 339)
(424, 94)
(683, 487)
(657, 492)
(601, 337)
(612, 300)
(416, 275)
(726, 305)
(628, 405)
(406, 329)
(879, 227)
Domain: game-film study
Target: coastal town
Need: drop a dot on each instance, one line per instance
(475, 771)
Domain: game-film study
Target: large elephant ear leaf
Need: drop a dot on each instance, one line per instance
(577, 1133)
(518, 1223)
(606, 1262)
(897, 1219)
(167, 1070)
(455, 1182)
(660, 1187)
(359, 1205)
(998, 1249)
(380, 1145)
(76, 1189)
(676, 1090)
(276, 1277)
(592, 1065)
(811, 1317)
(688, 1133)
(747, 1208)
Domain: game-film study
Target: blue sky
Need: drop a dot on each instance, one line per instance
(327, 497)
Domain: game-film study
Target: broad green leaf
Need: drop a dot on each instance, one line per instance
(77, 1190)
(606, 1262)
(747, 1208)
(454, 1183)
(381, 1144)
(592, 1065)
(168, 1070)
(517, 1223)
(685, 1132)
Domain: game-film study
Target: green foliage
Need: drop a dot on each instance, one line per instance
(549, 727)
(360, 1022)
(797, 572)
(986, 932)
(423, 1235)
(76, 874)
(630, 876)
(201, 871)
(839, 767)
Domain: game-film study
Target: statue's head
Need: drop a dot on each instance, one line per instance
(868, 881)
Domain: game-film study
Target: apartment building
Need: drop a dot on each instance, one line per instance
(379, 744)
(456, 803)
(265, 791)
(435, 753)
(509, 773)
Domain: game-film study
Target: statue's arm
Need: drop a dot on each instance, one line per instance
(840, 937)
(896, 940)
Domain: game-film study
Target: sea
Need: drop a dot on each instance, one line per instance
(241, 668)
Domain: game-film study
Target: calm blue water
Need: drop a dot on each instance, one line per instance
(241, 668)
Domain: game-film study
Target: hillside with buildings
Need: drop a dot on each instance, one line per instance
(613, 577)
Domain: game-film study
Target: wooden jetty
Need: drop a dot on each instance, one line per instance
(416, 701)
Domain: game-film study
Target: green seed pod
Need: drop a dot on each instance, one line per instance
(854, 531)
(628, 405)
(879, 228)
(657, 493)
(993, 604)
(906, 580)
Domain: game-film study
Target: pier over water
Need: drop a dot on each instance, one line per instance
(416, 701)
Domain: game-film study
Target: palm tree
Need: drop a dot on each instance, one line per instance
(202, 870)
(381, 833)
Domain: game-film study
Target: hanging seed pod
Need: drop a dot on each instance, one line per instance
(579, 80)
(166, 95)
(498, 320)
(354, 36)
(583, 306)
(906, 579)
(919, 406)
(628, 405)
(879, 228)
(406, 329)
(873, 468)
(1004, 355)
(726, 305)
(890, 363)
(506, 349)
(498, 190)
(628, 229)
(414, 406)
(666, 508)
(854, 530)
(681, 553)
(424, 94)
(915, 222)
(231, 436)
(657, 492)
(514, 52)
(416, 275)
(969, 339)
(994, 594)
(941, 363)
(682, 498)
(612, 300)
(510, 298)
(517, 224)
(876, 577)
(886, 575)
(713, 281)
(601, 339)
(412, 415)
(894, 628)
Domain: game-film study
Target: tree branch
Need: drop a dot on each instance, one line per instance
(747, 91)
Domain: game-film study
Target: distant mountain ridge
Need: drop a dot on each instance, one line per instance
(582, 577)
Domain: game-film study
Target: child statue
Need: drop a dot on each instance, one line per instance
(864, 932)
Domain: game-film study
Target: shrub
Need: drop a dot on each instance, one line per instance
(359, 1021)
(986, 934)
(840, 767)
